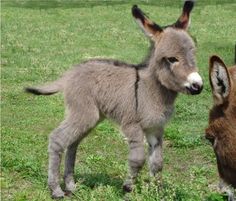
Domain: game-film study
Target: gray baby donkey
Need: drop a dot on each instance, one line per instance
(139, 98)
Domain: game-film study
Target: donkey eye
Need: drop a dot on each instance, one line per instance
(210, 138)
(172, 59)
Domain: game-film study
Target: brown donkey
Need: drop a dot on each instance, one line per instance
(222, 119)
(140, 98)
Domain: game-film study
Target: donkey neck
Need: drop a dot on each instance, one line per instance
(156, 89)
(168, 96)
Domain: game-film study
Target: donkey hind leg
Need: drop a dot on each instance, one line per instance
(155, 152)
(69, 166)
(136, 157)
(55, 148)
(69, 133)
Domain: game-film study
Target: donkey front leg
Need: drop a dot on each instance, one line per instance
(136, 158)
(229, 190)
(155, 152)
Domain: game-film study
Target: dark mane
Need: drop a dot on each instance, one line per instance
(119, 63)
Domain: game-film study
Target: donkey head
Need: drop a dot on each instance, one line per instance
(221, 131)
(173, 60)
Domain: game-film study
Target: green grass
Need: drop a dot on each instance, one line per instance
(41, 39)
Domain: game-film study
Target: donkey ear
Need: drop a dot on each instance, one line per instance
(219, 80)
(149, 27)
(184, 20)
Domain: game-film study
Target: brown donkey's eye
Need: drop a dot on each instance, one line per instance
(210, 138)
(172, 59)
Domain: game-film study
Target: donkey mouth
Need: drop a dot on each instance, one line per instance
(194, 89)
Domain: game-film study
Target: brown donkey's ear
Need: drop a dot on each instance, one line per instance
(219, 80)
(149, 27)
(184, 20)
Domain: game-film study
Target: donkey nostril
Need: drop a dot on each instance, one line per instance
(195, 86)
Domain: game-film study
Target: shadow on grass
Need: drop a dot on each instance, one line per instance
(94, 180)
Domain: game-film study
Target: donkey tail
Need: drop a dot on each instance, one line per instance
(48, 89)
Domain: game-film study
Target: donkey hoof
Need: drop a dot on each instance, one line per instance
(68, 193)
(70, 186)
(58, 194)
(127, 188)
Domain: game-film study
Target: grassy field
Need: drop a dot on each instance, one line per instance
(41, 39)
